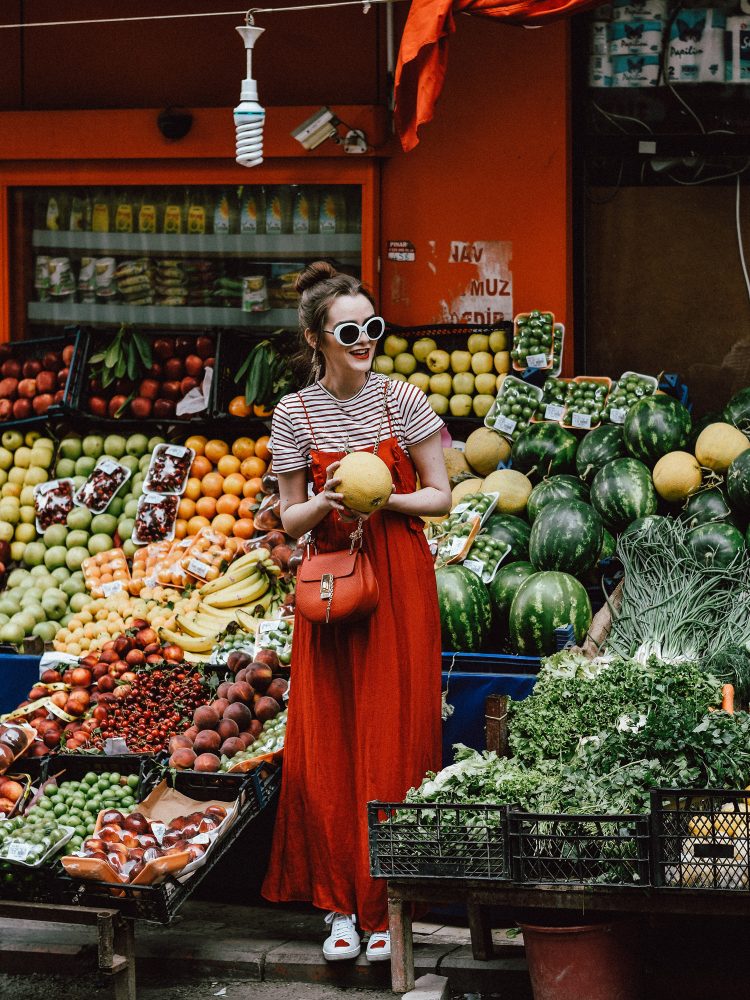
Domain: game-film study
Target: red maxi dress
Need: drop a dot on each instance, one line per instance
(365, 711)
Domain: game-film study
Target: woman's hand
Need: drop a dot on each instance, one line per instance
(329, 497)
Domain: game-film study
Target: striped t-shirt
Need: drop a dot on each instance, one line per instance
(351, 424)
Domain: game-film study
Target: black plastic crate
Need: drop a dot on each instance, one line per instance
(700, 839)
(456, 840)
(160, 903)
(92, 342)
(233, 350)
(73, 766)
(35, 349)
(462, 330)
(31, 885)
(553, 848)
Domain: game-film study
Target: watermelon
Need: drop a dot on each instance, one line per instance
(555, 488)
(716, 544)
(544, 450)
(738, 483)
(465, 609)
(706, 506)
(654, 426)
(609, 545)
(503, 589)
(567, 535)
(622, 491)
(603, 444)
(544, 602)
(737, 410)
(513, 531)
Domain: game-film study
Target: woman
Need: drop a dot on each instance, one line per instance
(365, 702)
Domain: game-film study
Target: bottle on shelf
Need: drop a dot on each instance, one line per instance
(197, 212)
(226, 219)
(101, 213)
(55, 219)
(123, 212)
(304, 216)
(174, 213)
(252, 210)
(76, 213)
(87, 208)
(332, 212)
(148, 213)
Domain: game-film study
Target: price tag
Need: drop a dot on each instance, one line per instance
(115, 745)
(17, 850)
(475, 566)
(536, 360)
(43, 488)
(617, 415)
(175, 451)
(554, 411)
(158, 830)
(456, 546)
(197, 568)
(582, 421)
(113, 587)
(152, 498)
(108, 466)
(201, 838)
(433, 547)
(265, 628)
(504, 424)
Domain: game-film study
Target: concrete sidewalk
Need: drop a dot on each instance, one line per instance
(232, 946)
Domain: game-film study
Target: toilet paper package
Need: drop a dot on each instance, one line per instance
(635, 71)
(635, 38)
(639, 10)
(600, 71)
(737, 49)
(599, 44)
(696, 46)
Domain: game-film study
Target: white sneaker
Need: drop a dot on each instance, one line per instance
(343, 941)
(379, 947)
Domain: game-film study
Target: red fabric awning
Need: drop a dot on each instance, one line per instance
(423, 55)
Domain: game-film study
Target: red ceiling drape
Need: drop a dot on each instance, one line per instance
(423, 56)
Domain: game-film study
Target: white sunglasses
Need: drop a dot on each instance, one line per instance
(348, 333)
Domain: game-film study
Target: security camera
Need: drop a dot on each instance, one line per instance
(174, 123)
(317, 128)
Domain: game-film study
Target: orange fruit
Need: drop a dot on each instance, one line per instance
(252, 487)
(193, 488)
(246, 508)
(244, 528)
(227, 504)
(206, 507)
(186, 510)
(212, 485)
(180, 528)
(233, 484)
(223, 523)
(243, 448)
(195, 524)
(197, 442)
(238, 407)
(228, 464)
(253, 467)
(261, 447)
(201, 467)
(216, 449)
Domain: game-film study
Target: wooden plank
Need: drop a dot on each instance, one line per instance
(53, 913)
(480, 930)
(402, 946)
(496, 723)
(124, 961)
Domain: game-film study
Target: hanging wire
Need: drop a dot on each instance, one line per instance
(364, 4)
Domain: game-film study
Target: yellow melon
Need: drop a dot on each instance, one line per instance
(514, 489)
(718, 445)
(455, 462)
(676, 475)
(485, 449)
(366, 482)
(463, 488)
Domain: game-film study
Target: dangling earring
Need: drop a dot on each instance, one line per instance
(317, 365)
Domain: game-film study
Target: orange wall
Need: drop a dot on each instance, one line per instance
(492, 165)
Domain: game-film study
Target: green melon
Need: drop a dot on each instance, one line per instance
(716, 544)
(465, 609)
(622, 491)
(561, 487)
(567, 536)
(603, 444)
(655, 426)
(543, 603)
(544, 450)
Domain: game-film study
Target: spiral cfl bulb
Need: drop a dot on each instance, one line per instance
(249, 116)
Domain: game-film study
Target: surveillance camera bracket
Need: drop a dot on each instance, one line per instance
(355, 141)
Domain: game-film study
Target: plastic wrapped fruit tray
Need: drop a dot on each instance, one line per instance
(160, 903)
(409, 840)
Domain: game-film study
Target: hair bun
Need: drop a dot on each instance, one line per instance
(319, 270)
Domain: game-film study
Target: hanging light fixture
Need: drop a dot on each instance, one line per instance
(249, 116)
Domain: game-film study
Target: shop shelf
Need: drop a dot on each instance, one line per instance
(160, 316)
(231, 355)
(285, 245)
(560, 849)
(700, 839)
(160, 903)
(456, 840)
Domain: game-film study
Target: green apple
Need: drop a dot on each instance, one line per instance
(16, 551)
(104, 524)
(438, 361)
(463, 384)
(55, 556)
(460, 405)
(73, 586)
(405, 363)
(125, 527)
(41, 442)
(132, 463)
(12, 632)
(56, 534)
(9, 606)
(478, 342)
(438, 402)
(36, 609)
(79, 601)
(114, 445)
(6, 458)
(27, 496)
(71, 448)
(115, 506)
(100, 543)
(482, 404)
(420, 379)
(25, 532)
(34, 553)
(22, 457)
(485, 384)
(78, 482)
(12, 440)
(460, 361)
(129, 548)
(93, 446)
(9, 516)
(79, 519)
(41, 458)
(26, 620)
(55, 603)
(154, 441)
(482, 363)
(6, 530)
(61, 574)
(65, 468)
(39, 571)
(131, 507)
(16, 577)
(137, 483)
(441, 384)
(76, 538)
(394, 345)
(422, 347)
(383, 364)
(75, 557)
(498, 341)
(137, 444)
(4, 619)
(17, 476)
(3, 477)
(46, 631)
(397, 377)
(35, 476)
(27, 515)
(85, 465)
(144, 464)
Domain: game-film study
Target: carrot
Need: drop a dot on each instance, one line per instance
(727, 698)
